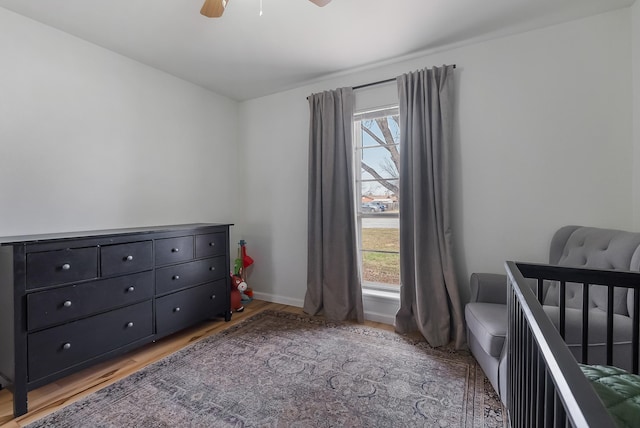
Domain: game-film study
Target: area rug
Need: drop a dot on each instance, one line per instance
(278, 369)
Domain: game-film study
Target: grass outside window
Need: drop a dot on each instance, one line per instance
(381, 255)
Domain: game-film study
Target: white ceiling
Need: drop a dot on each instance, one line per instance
(244, 56)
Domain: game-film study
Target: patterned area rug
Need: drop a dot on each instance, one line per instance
(283, 370)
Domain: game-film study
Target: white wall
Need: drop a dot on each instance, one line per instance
(635, 55)
(90, 139)
(544, 140)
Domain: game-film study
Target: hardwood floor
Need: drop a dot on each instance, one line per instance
(58, 394)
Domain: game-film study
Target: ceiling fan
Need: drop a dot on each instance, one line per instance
(215, 8)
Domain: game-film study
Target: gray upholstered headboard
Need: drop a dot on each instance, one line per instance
(558, 242)
(592, 247)
(595, 247)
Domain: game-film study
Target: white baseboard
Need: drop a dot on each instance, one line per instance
(379, 317)
(377, 308)
(268, 297)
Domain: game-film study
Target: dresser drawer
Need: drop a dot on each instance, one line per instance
(211, 244)
(51, 307)
(125, 258)
(62, 347)
(184, 308)
(175, 277)
(61, 266)
(174, 250)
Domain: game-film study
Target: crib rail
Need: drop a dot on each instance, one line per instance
(545, 386)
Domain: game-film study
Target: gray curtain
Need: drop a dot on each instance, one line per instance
(429, 297)
(333, 278)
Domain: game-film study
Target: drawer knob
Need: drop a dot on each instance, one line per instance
(130, 289)
(175, 250)
(66, 346)
(213, 297)
(176, 277)
(66, 266)
(212, 244)
(129, 324)
(128, 258)
(176, 309)
(67, 303)
(212, 268)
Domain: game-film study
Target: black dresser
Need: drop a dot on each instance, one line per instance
(68, 301)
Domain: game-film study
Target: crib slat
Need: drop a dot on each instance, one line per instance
(563, 307)
(561, 415)
(532, 380)
(520, 389)
(513, 337)
(585, 323)
(521, 363)
(636, 329)
(609, 325)
(549, 402)
(517, 389)
(527, 376)
(540, 289)
(540, 387)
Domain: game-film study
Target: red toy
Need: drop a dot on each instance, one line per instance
(239, 275)
(237, 287)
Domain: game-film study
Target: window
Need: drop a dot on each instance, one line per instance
(377, 149)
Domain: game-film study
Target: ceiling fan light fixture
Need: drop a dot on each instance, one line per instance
(214, 8)
(320, 3)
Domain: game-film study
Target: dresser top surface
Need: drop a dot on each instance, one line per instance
(18, 240)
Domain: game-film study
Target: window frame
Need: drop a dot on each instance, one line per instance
(358, 147)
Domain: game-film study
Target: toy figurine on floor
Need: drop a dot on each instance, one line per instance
(238, 286)
(239, 275)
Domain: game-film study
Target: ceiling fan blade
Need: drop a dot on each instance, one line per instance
(214, 8)
(320, 2)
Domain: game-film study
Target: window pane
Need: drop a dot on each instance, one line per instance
(374, 114)
(383, 235)
(375, 132)
(378, 236)
(381, 267)
(380, 192)
(380, 162)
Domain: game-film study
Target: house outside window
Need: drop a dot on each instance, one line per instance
(377, 148)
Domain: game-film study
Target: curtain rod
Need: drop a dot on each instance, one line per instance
(379, 82)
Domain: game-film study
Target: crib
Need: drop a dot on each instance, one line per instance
(546, 386)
